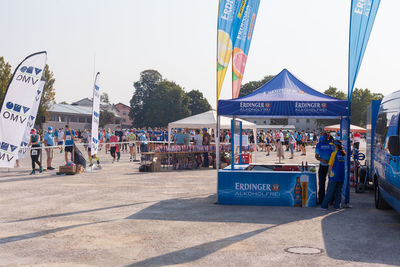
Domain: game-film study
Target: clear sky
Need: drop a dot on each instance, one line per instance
(178, 38)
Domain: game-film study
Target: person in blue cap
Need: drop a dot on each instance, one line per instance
(323, 151)
(48, 143)
(336, 176)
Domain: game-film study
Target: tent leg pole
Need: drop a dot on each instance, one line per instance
(217, 157)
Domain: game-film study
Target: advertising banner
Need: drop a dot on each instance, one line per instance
(267, 188)
(17, 104)
(242, 45)
(230, 14)
(94, 144)
(362, 17)
(22, 152)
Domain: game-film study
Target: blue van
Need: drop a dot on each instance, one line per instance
(386, 154)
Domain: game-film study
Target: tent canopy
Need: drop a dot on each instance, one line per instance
(208, 119)
(284, 96)
(353, 128)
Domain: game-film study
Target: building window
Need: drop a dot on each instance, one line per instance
(89, 119)
(124, 113)
(82, 119)
(297, 120)
(123, 120)
(308, 120)
(265, 122)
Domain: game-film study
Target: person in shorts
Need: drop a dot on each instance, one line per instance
(69, 138)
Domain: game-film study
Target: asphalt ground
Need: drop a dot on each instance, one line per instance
(117, 216)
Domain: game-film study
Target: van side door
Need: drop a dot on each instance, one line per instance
(392, 161)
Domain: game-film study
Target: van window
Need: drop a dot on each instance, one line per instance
(382, 126)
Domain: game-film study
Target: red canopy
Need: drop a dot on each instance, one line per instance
(353, 128)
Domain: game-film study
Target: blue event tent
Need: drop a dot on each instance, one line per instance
(284, 96)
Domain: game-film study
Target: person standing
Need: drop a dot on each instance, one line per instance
(89, 149)
(113, 146)
(336, 176)
(69, 138)
(179, 137)
(48, 142)
(206, 142)
(323, 151)
(292, 142)
(35, 152)
(187, 137)
(132, 145)
(198, 140)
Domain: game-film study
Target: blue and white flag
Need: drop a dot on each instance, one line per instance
(17, 104)
(94, 143)
(362, 17)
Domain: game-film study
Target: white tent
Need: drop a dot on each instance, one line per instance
(208, 119)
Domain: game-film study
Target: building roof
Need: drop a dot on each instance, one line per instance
(71, 109)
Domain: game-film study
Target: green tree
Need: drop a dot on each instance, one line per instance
(360, 100)
(5, 76)
(143, 90)
(106, 117)
(167, 103)
(48, 95)
(104, 98)
(197, 102)
(251, 86)
(334, 92)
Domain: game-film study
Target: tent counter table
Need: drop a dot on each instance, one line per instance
(267, 185)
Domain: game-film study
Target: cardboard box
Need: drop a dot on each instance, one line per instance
(71, 169)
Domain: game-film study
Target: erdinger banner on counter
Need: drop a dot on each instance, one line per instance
(94, 144)
(31, 123)
(362, 17)
(267, 188)
(17, 104)
(230, 14)
(242, 45)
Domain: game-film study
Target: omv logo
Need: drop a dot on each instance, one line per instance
(30, 70)
(7, 147)
(96, 87)
(96, 114)
(16, 107)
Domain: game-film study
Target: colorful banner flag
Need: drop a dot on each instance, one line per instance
(242, 45)
(94, 144)
(230, 15)
(17, 105)
(31, 123)
(362, 17)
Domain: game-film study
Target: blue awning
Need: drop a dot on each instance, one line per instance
(284, 96)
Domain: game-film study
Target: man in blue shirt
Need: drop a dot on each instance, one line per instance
(179, 137)
(69, 137)
(323, 152)
(49, 141)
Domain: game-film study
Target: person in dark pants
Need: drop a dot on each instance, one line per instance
(323, 152)
(336, 177)
(206, 142)
(35, 153)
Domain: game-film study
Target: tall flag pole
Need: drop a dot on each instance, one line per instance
(230, 15)
(17, 104)
(362, 18)
(242, 45)
(94, 143)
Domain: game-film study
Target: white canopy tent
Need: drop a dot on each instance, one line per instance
(208, 119)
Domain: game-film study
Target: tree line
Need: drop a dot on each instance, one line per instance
(157, 101)
(359, 101)
(48, 94)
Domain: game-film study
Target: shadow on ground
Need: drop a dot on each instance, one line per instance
(347, 235)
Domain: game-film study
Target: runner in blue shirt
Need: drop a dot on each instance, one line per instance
(69, 138)
(49, 141)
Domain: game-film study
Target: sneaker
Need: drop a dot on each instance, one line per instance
(267, 155)
(50, 168)
(32, 172)
(40, 170)
(91, 164)
(319, 208)
(347, 206)
(98, 162)
(113, 160)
